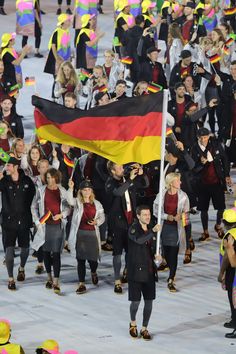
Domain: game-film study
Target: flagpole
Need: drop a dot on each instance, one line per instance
(161, 182)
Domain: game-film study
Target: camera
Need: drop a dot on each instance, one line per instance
(230, 189)
(152, 30)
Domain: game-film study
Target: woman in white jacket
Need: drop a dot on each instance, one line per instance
(84, 236)
(50, 210)
(175, 206)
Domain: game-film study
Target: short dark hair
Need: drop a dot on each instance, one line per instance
(179, 84)
(139, 19)
(123, 82)
(55, 174)
(233, 62)
(142, 207)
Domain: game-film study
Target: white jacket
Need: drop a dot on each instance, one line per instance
(76, 218)
(182, 207)
(37, 210)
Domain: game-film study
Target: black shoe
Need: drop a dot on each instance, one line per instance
(81, 289)
(94, 277)
(145, 335)
(171, 286)
(48, 285)
(26, 56)
(231, 335)
(39, 270)
(187, 258)
(205, 237)
(133, 331)
(100, 10)
(56, 289)
(11, 285)
(21, 275)
(220, 231)
(229, 324)
(2, 11)
(58, 11)
(38, 55)
(42, 12)
(162, 267)
(106, 247)
(68, 11)
(118, 289)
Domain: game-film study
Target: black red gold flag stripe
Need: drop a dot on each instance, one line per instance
(124, 131)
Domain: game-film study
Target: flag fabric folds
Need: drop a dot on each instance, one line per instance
(125, 131)
(45, 217)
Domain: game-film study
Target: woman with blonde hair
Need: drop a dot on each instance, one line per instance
(17, 148)
(175, 44)
(175, 215)
(141, 89)
(84, 236)
(66, 81)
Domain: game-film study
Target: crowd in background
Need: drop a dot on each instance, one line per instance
(79, 201)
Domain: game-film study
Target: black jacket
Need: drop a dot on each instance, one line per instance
(116, 199)
(146, 69)
(65, 172)
(141, 253)
(16, 201)
(172, 105)
(219, 156)
(176, 77)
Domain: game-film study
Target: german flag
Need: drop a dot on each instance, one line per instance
(226, 50)
(154, 88)
(45, 217)
(185, 219)
(69, 162)
(13, 92)
(229, 42)
(229, 12)
(124, 131)
(184, 73)
(127, 60)
(214, 58)
(102, 88)
(30, 81)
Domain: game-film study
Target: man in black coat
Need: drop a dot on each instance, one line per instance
(212, 170)
(121, 193)
(7, 113)
(17, 194)
(151, 70)
(141, 269)
(187, 67)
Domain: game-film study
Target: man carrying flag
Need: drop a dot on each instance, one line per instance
(17, 194)
(121, 189)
